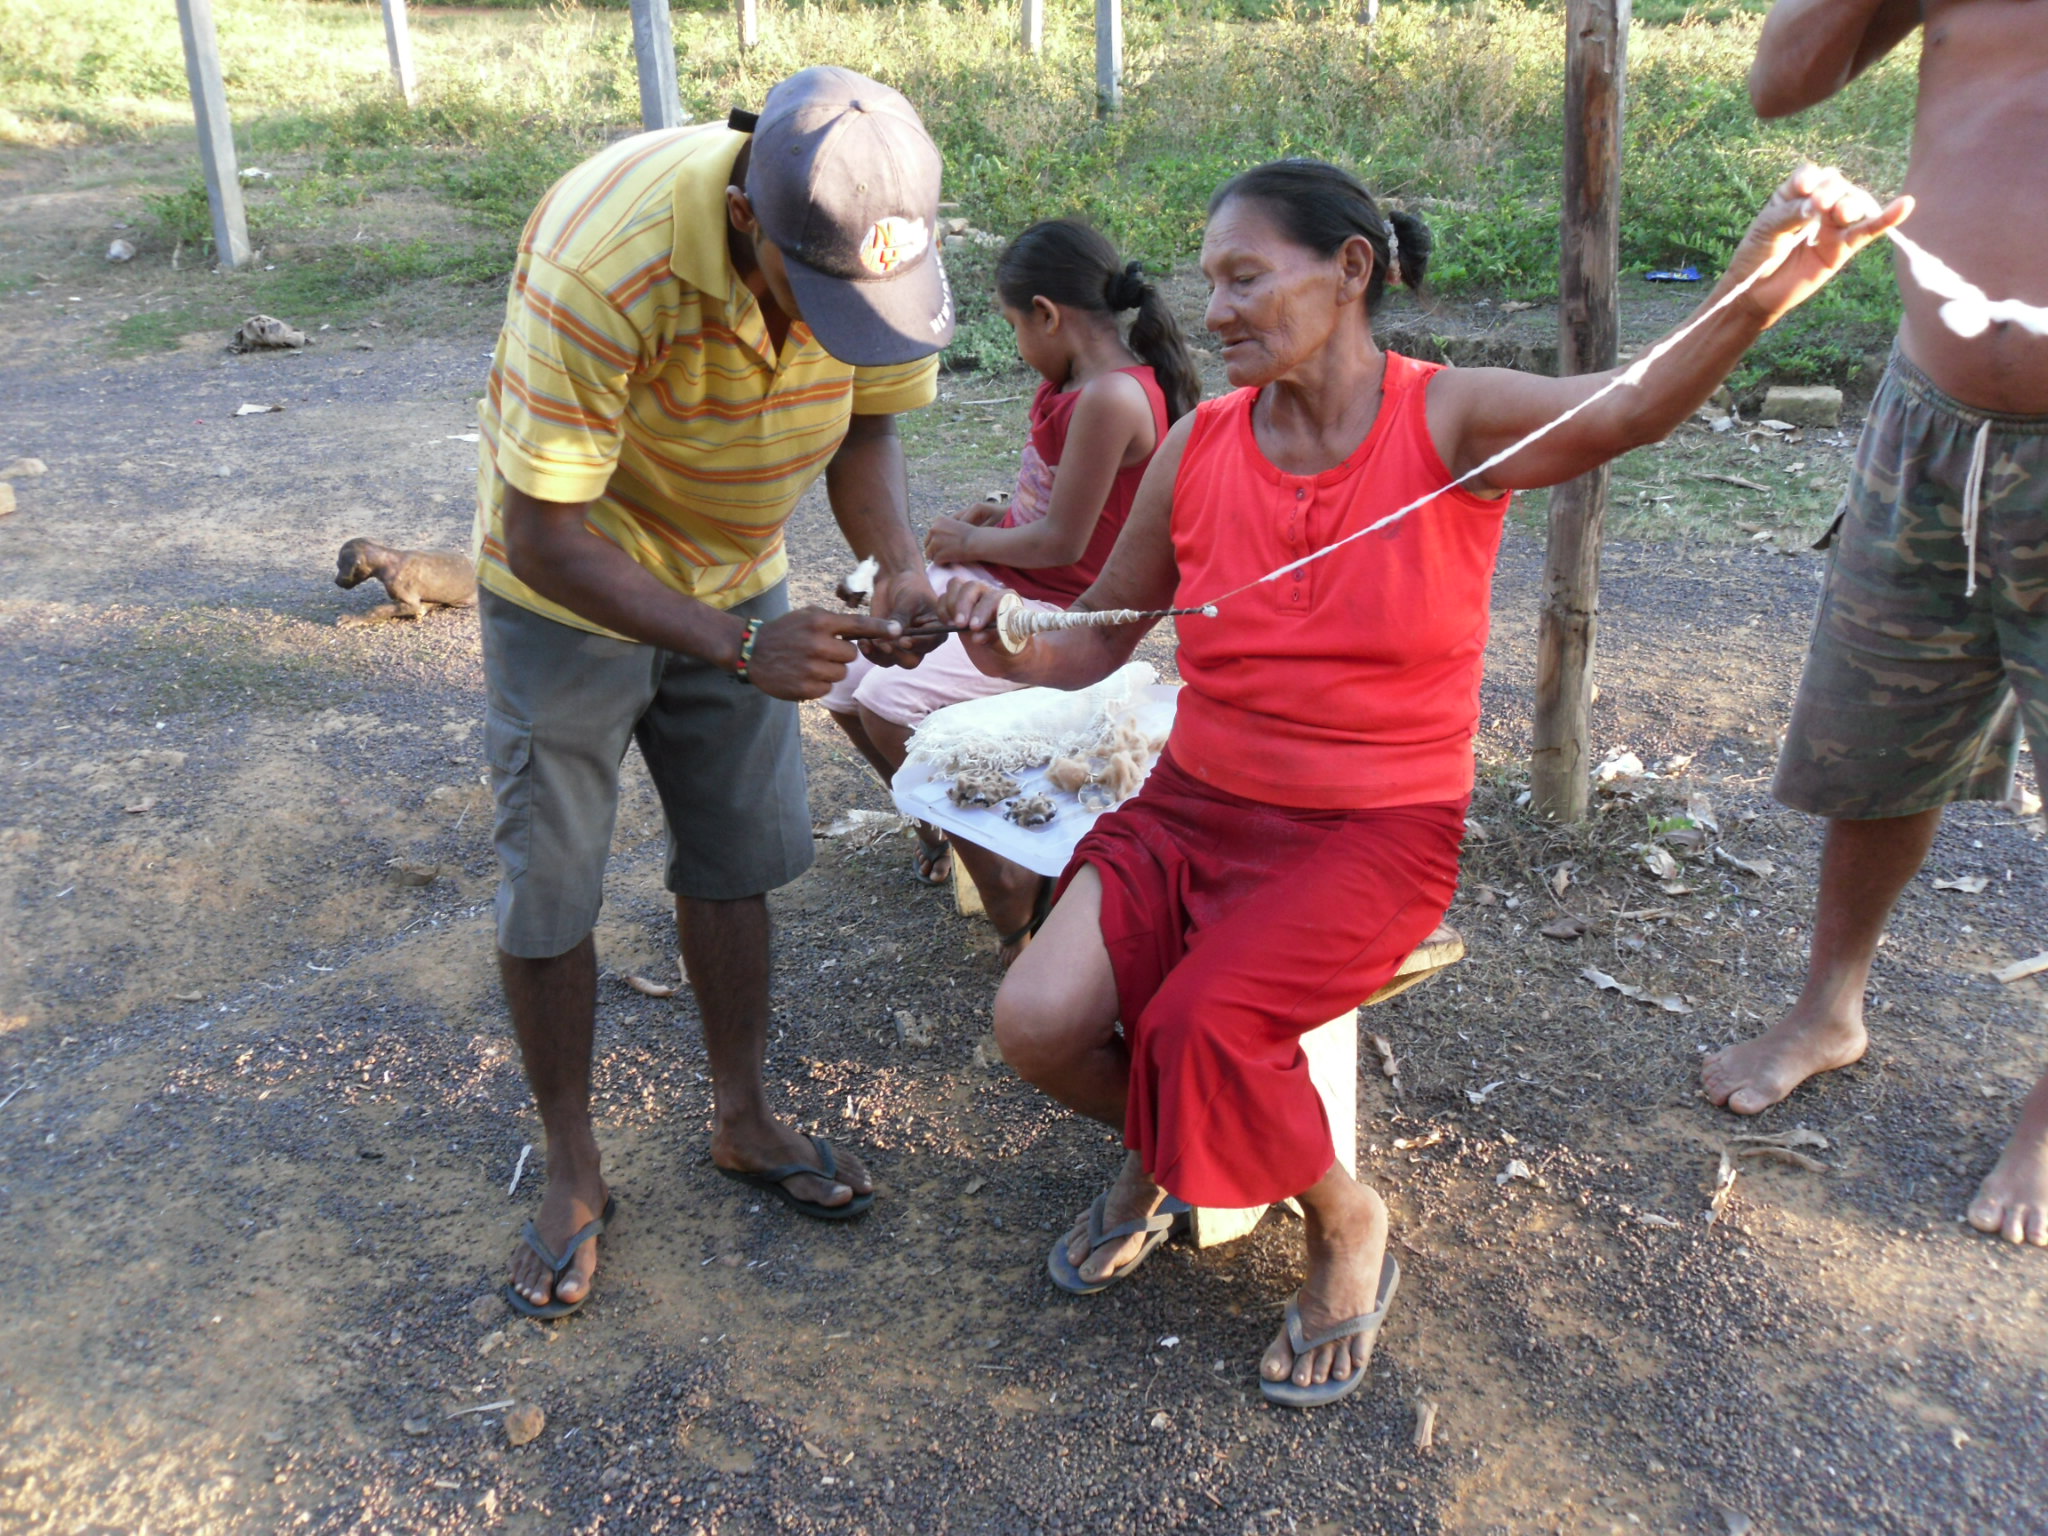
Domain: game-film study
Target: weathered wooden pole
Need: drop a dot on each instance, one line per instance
(1596, 73)
(216, 134)
(1031, 26)
(748, 14)
(654, 50)
(398, 39)
(1109, 56)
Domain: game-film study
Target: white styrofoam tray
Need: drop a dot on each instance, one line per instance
(919, 790)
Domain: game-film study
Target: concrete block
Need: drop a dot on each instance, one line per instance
(1804, 405)
(6, 498)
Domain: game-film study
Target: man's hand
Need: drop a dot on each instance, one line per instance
(907, 598)
(803, 653)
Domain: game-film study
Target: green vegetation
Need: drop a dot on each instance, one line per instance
(1452, 108)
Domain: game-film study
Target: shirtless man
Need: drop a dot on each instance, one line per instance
(1916, 688)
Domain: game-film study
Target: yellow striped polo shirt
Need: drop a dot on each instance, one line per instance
(634, 372)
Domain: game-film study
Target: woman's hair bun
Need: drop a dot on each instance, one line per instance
(1128, 288)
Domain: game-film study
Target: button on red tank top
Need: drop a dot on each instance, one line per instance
(1353, 682)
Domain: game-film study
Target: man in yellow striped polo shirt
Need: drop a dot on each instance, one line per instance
(701, 323)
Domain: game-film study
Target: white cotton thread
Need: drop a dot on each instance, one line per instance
(1631, 375)
(1969, 311)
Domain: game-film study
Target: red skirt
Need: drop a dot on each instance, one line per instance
(1235, 927)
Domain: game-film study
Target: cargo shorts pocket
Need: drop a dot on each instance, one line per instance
(508, 749)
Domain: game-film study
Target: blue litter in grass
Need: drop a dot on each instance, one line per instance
(1682, 275)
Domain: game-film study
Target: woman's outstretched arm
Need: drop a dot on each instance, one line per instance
(1806, 234)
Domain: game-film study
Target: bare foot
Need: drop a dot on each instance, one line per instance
(772, 1144)
(2013, 1199)
(1752, 1076)
(1133, 1197)
(1346, 1247)
(573, 1199)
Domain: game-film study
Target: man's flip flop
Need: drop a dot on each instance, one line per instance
(772, 1180)
(1066, 1274)
(1366, 1327)
(558, 1267)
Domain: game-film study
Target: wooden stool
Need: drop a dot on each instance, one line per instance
(1332, 1052)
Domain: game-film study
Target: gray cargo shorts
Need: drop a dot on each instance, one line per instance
(562, 705)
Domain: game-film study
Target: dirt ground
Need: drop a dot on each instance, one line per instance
(259, 1108)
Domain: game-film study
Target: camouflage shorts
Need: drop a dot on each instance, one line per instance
(1915, 694)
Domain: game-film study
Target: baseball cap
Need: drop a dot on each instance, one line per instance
(845, 180)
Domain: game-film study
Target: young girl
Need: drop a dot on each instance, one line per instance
(1106, 403)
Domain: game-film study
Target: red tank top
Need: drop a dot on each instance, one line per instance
(1052, 412)
(1352, 683)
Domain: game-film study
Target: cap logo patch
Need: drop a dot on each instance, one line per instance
(893, 243)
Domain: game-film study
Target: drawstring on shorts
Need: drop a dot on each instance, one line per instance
(1973, 492)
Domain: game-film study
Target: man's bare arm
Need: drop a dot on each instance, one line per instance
(868, 487)
(550, 547)
(1810, 49)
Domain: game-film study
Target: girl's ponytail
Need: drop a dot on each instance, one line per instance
(1073, 264)
(1156, 337)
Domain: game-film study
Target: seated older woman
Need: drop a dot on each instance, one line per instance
(1300, 834)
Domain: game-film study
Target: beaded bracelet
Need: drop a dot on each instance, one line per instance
(739, 673)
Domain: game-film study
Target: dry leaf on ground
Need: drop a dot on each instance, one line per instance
(1786, 1155)
(1799, 1136)
(647, 988)
(1564, 928)
(1666, 1001)
(2020, 970)
(1425, 1425)
(524, 1422)
(1724, 1187)
(1761, 868)
(1969, 885)
(1659, 862)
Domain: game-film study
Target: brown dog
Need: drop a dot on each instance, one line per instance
(414, 579)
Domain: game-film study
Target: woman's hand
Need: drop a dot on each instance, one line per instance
(947, 542)
(973, 604)
(1812, 225)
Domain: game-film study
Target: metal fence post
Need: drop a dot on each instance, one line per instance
(398, 39)
(216, 134)
(654, 50)
(1109, 56)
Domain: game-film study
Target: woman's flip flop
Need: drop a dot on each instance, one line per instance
(1066, 1274)
(1366, 1327)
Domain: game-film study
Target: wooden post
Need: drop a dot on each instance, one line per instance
(654, 50)
(1109, 56)
(398, 39)
(1596, 73)
(748, 15)
(216, 134)
(1031, 26)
